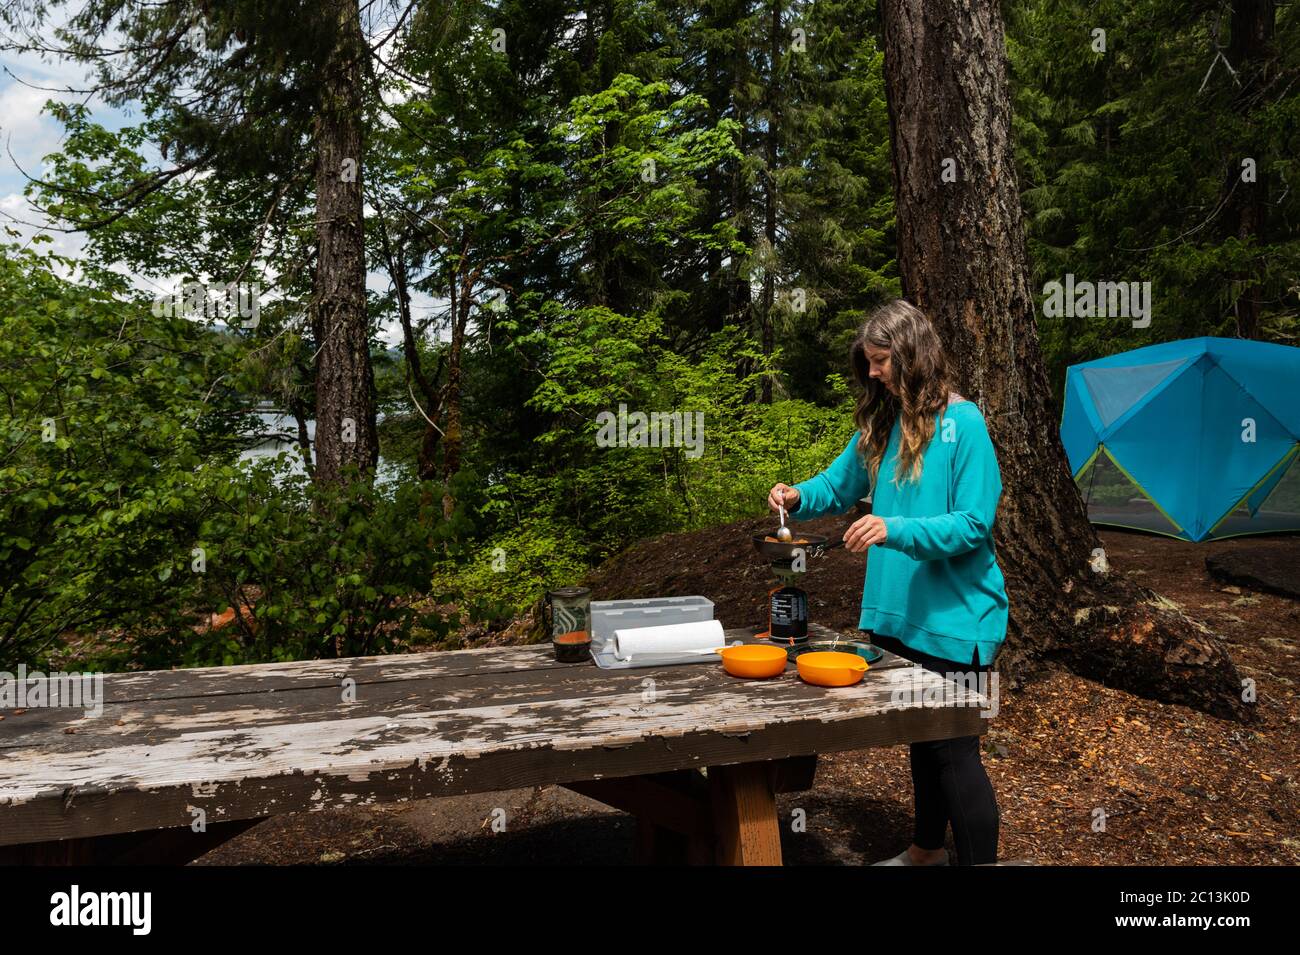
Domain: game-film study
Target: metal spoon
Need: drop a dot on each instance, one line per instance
(783, 533)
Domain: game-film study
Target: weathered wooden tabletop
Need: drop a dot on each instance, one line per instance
(247, 742)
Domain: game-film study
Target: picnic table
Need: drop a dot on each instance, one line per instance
(179, 761)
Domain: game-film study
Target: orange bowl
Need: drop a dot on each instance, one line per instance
(753, 661)
(830, 668)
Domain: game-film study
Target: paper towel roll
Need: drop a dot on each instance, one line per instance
(672, 638)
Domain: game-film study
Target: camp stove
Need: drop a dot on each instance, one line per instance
(787, 603)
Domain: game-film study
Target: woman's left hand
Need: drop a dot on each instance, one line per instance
(865, 532)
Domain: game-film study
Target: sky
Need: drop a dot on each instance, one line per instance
(27, 135)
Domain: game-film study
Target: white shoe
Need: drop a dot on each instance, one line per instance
(903, 858)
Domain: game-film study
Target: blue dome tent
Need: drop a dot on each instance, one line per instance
(1198, 439)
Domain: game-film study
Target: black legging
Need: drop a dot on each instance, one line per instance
(948, 779)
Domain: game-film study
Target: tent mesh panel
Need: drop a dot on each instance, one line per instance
(1276, 505)
(1116, 390)
(1113, 498)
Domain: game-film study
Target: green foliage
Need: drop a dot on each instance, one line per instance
(108, 414)
(641, 183)
(122, 506)
(1131, 160)
(328, 571)
(834, 192)
(600, 363)
(506, 573)
(682, 208)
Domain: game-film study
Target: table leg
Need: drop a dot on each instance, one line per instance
(746, 831)
(729, 819)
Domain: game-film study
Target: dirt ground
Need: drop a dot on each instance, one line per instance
(1084, 774)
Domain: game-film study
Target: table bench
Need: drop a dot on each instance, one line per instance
(696, 755)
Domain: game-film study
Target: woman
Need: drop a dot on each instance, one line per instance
(934, 593)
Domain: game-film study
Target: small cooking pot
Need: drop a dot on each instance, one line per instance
(814, 545)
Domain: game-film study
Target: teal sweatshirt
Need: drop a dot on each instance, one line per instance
(934, 584)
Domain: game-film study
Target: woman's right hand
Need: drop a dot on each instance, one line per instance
(790, 501)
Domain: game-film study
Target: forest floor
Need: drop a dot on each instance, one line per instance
(1176, 787)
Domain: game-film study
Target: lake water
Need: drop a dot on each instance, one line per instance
(279, 432)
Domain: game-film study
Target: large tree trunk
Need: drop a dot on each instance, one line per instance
(345, 411)
(961, 252)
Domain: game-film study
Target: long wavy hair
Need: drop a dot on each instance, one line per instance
(921, 373)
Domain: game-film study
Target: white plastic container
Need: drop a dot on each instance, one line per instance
(610, 615)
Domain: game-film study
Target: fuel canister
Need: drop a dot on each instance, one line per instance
(789, 614)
